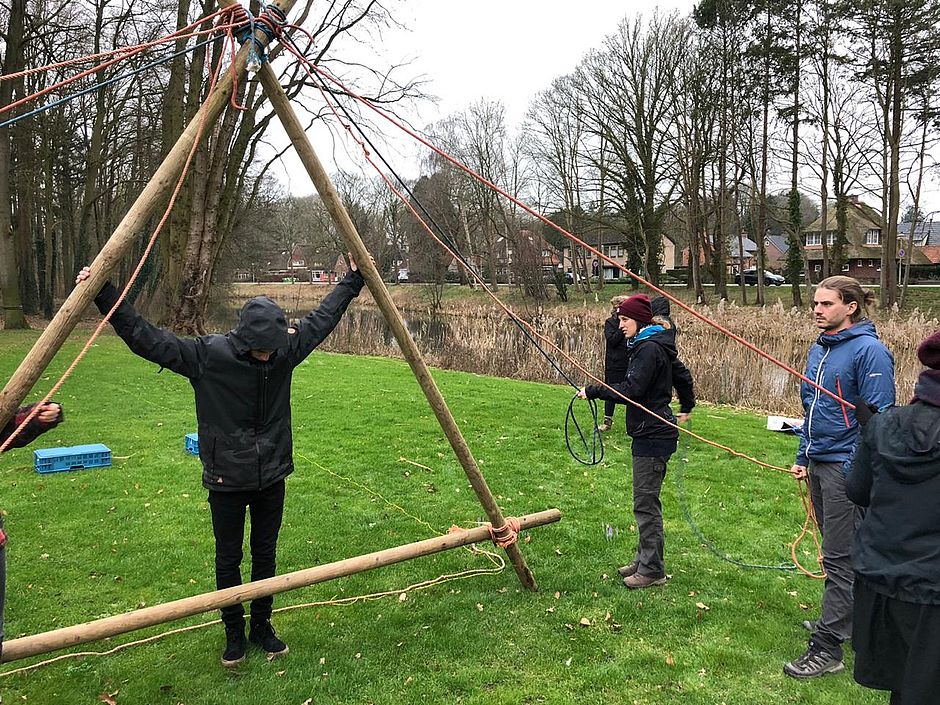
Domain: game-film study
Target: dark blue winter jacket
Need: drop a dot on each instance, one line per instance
(852, 363)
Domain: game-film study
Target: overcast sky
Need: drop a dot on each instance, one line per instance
(506, 50)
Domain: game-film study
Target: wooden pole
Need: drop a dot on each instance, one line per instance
(126, 233)
(56, 639)
(344, 224)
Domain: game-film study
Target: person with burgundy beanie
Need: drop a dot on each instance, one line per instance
(653, 371)
(48, 417)
(896, 475)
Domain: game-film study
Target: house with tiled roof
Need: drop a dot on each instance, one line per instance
(864, 249)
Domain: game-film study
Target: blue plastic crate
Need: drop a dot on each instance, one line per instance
(192, 443)
(94, 455)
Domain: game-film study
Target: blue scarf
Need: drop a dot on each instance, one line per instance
(647, 332)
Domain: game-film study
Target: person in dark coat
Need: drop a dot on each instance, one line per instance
(241, 382)
(653, 371)
(49, 416)
(896, 475)
(615, 359)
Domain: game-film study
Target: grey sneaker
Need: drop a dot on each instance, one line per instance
(816, 662)
(638, 581)
(607, 425)
(811, 625)
(626, 571)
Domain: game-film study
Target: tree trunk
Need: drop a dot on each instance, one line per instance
(9, 271)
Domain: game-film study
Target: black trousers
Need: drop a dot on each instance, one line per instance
(265, 507)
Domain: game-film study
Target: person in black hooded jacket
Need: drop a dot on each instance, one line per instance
(241, 382)
(896, 475)
(653, 371)
(615, 358)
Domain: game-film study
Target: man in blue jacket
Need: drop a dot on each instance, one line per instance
(849, 361)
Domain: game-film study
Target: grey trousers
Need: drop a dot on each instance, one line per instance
(838, 518)
(648, 475)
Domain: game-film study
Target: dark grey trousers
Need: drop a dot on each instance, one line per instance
(648, 475)
(838, 518)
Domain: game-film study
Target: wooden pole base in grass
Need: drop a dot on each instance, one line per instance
(334, 204)
(128, 231)
(149, 616)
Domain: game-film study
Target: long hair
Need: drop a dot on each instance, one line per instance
(850, 290)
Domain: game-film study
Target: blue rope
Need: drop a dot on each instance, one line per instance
(73, 96)
(257, 51)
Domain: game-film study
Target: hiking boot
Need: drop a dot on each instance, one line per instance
(626, 571)
(811, 625)
(607, 425)
(262, 634)
(638, 580)
(235, 646)
(817, 661)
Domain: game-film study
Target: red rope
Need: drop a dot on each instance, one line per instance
(153, 239)
(809, 524)
(572, 237)
(125, 53)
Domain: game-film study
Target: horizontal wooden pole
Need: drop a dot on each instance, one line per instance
(158, 614)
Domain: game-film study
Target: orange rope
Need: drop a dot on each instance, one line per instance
(153, 239)
(810, 520)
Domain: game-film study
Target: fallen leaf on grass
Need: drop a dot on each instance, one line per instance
(585, 622)
(670, 661)
(702, 606)
(568, 662)
(479, 607)
(108, 698)
(409, 680)
(307, 701)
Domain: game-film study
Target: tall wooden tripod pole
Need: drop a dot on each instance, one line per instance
(154, 194)
(344, 224)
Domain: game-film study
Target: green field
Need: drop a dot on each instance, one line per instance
(94, 543)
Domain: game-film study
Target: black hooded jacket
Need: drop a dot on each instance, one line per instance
(653, 370)
(242, 404)
(896, 474)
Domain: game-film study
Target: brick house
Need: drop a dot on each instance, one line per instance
(864, 249)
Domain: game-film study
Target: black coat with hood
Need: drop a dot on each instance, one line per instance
(242, 404)
(896, 474)
(616, 354)
(653, 370)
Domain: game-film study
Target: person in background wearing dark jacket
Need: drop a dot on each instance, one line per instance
(615, 359)
(242, 386)
(653, 371)
(49, 416)
(849, 361)
(896, 474)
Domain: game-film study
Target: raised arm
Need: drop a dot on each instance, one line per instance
(180, 355)
(313, 328)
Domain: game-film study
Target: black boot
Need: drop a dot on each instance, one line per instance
(262, 634)
(235, 646)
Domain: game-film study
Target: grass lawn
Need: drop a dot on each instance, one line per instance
(93, 543)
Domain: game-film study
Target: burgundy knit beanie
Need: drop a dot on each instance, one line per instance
(929, 351)
(638, 308)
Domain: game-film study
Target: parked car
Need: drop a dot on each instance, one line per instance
(770, 279)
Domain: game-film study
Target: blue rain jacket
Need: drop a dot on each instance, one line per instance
(852, 363)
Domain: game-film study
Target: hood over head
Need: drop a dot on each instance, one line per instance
(660, 306)
(910, 443)
(262, 325)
